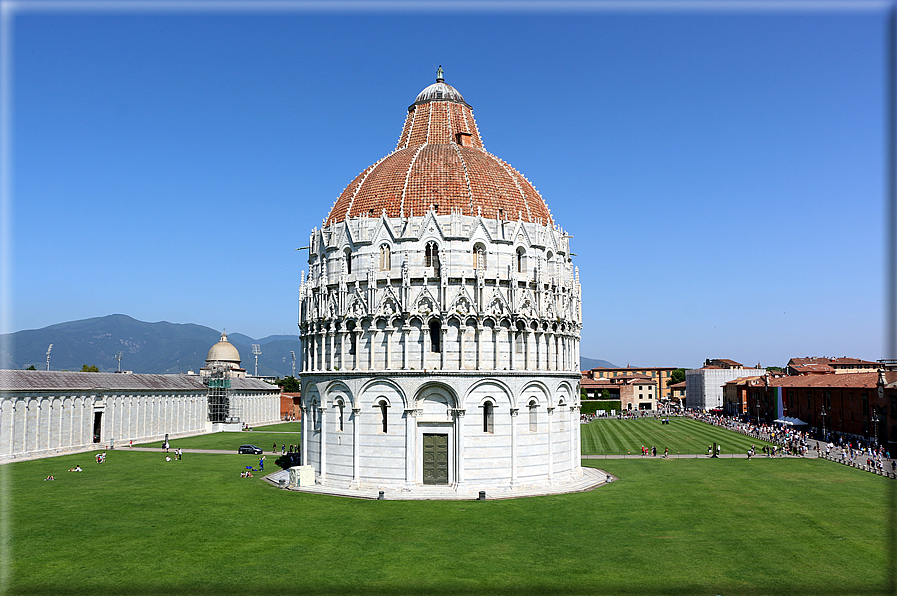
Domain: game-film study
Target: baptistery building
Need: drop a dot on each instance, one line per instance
(440, 321)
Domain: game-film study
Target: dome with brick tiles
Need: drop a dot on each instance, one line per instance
(440, 163)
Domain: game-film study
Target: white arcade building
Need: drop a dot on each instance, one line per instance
(440, 321)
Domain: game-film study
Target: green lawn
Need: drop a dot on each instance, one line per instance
(140, 525)
(682, 435)
(283, 427)
(282, 434)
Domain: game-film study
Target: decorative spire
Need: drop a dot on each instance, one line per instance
(439, 77)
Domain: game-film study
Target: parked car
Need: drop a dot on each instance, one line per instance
(250, 449)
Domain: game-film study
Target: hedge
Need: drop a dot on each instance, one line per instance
(593, 405)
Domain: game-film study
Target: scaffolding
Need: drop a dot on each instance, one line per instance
(218, 383)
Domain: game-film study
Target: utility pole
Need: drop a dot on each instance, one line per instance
(118, 356)
(293, 356)
(48, 357)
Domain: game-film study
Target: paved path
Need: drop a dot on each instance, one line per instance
(591, 479)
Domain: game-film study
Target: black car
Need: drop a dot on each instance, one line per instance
(250, 449)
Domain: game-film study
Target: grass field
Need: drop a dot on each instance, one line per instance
(682, 436)
(140, 525)
(264, 437)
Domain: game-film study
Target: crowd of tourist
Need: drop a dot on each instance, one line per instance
(790, 440)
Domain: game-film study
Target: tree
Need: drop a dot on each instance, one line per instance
(92, 368)
(289, 385)
(775, 368)
(605, 394)
(677, 376)
(31, 368)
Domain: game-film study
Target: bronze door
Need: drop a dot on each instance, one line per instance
(435, 459)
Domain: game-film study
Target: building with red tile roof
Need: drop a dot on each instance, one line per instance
(855, 404)
(823, 365)
(660, 373)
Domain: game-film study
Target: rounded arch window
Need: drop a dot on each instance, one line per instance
(315, 415)
(521, 259)
(488, 417)
(382, 405)
(342, 410)
(533, 419)
(347, 255)
(479, 257)
(435, 336)
(431, 256)
(385, 259)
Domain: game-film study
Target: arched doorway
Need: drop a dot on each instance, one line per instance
(436, 451)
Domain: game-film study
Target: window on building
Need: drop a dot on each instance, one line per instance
(435, 336)
(342, 409)
(431, 256)
(521, 258)
(479, 257)
(385, 261)
(382, 405)
(347, 255)
(533, 418)
(488, 417)
(315, 415)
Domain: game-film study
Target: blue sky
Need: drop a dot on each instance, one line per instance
(721, 171)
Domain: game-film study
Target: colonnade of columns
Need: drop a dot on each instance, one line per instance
(50, 423)
(328, 350)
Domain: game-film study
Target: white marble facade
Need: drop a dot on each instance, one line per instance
(440, 323)
(50, 413)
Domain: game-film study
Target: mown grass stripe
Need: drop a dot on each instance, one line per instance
(681, 436)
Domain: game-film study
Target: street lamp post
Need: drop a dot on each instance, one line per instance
(822, 413)
(875, 420)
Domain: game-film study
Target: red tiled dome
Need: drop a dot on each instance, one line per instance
(440, 161)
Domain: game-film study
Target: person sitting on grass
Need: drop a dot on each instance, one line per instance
(49, 478)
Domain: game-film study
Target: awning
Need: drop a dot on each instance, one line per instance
(789, 421)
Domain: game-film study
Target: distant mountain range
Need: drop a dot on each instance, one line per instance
(160, 348)
(156, 348)
(590, 363)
